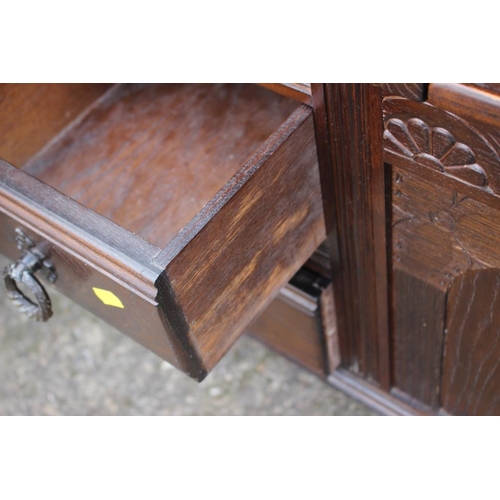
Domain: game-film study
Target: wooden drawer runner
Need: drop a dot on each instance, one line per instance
(192, 204)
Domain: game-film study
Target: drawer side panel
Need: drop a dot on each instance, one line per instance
(238, 262)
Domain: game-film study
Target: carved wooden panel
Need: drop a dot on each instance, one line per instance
(440, 141)
(438, 234)
(471, 365)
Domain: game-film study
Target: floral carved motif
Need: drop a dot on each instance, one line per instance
(434, 147)
(433, 138)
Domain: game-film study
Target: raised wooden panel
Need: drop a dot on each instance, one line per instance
(445, 227)
(438, 234)
(471, 361)
(438, 231)
(418, 319)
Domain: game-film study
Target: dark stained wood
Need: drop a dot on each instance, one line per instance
(323, 140)
(444, 224)
(348, 121)
(88, 251)
(95, 238)
(32, 114)
(468, 101)
(492, 87)
(413, 91)
(374, 397)
(149, 157)
(471, 365)
(267, 229)
(439, 233)
(294, 326)
(418, 319)
(194, 277)
(190, 301)
(428, 136)
(319, 261)
(299, 91)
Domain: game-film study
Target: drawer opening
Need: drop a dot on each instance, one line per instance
(299, 323)
(149, 157)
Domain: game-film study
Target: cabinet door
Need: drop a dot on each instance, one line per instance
(445, 188)
(411, 186)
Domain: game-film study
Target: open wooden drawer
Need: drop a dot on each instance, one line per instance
(173, 212)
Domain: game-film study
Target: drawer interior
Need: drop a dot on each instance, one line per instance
(33, 114)
(193, 204)
(150, 156)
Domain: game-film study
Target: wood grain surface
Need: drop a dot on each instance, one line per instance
(471, 363)
(472, 102)
(441, 141)
(413, 91)
(299, 91)
(149, 157)
(88, 251)
(32, 114)
(114, 168)
(353, 184)
(330, 328)
(267, 228)
(439, 233)
(418, 326)
(492, 87)
(293, 324)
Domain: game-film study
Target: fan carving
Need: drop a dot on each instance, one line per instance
(434, 147)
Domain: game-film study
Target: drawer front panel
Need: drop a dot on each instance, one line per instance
(77, 277)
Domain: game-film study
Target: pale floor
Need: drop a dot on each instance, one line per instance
(77, 365)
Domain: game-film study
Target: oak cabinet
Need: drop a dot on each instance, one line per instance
(195, 205)
(428, 158)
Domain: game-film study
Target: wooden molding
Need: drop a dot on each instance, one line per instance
(348, 121)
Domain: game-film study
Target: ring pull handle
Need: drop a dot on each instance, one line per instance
(32, 259)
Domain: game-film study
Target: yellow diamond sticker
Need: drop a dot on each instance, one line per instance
(108, 298)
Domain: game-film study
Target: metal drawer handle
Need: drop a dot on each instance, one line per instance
(32, 260)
